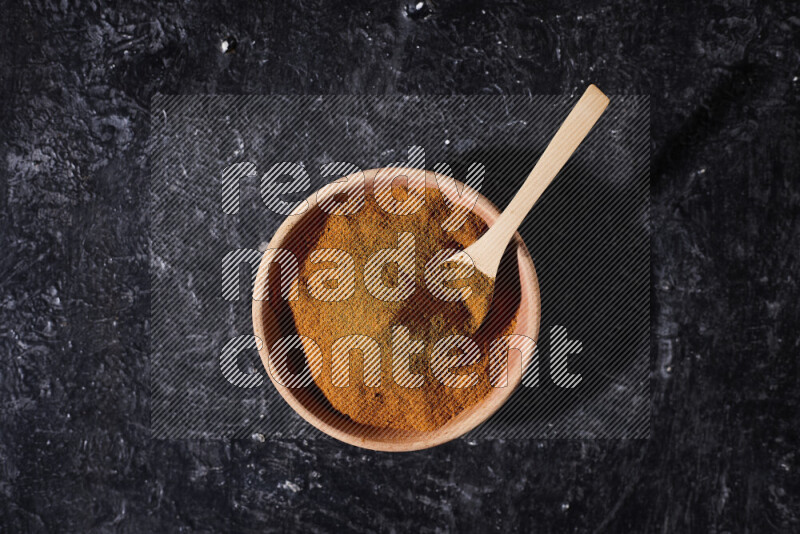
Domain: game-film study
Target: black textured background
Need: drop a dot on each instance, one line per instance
(75, 447)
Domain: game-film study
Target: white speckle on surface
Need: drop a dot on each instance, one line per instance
(159, 264)
(564, 506)
(419, 5)
(289, 485)
(447, 141)
(49, 329)
(239, 144)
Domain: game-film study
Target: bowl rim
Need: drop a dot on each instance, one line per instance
(528, 323)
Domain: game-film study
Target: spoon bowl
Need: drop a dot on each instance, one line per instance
(270, 323)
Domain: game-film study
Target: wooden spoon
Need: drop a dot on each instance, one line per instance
(487, 251)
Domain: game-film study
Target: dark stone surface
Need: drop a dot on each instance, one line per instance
(75, 447)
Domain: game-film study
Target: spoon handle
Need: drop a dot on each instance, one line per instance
(487, 250)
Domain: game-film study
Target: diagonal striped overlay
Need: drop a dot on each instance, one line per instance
(588, 236)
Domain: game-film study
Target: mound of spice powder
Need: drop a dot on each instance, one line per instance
(428, 319)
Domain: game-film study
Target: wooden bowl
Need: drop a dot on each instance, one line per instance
(268, 328)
